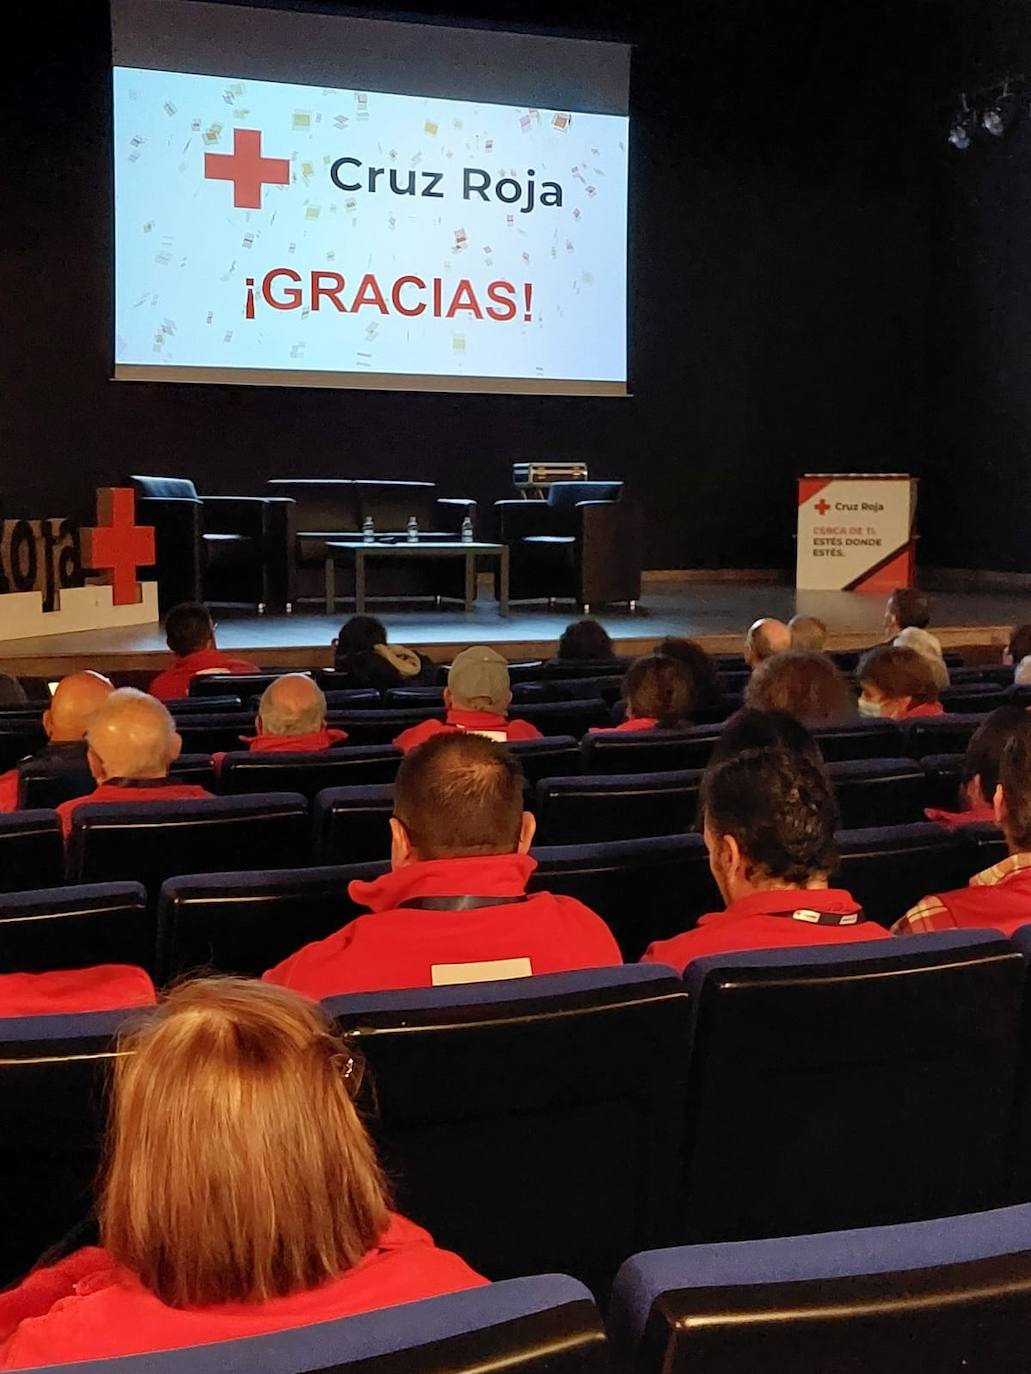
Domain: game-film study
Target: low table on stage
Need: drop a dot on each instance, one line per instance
(357, 553)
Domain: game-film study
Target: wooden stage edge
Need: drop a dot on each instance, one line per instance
(715, 613)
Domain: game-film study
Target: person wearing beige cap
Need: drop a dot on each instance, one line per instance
(477, 698)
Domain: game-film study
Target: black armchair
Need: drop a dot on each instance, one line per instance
(215, 548)
(583, 543)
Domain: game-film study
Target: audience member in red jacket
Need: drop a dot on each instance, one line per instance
(477, 697)
(999, 897)
(658, 696)
(132, 744)
(897, 684)
(292, 718)
(454, 908)
(73, 705)
(103, 987)
(242, 1195)
(980, 775)
(190, 634)
(769, 820)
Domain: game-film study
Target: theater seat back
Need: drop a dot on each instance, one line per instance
(307, 773)
(889, 868)
(76, 927)
(534, 1124)
(879, 791)
(351, 825)
(956, 1290)
(244, 923)
(30, 851)
(649, 751)
(53, 1071)
(546, 1325)
(643, 890)
(627, 806)
(153, 841)
(825, 1083)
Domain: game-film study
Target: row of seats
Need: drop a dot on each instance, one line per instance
(261, 900)
(565, 1122)
(956, 1290)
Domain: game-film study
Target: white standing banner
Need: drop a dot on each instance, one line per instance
(855, 531)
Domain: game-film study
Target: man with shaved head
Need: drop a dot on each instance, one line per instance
(131, 745)
(75, 701)
(765, 638)
(292, 718)
(454, 908)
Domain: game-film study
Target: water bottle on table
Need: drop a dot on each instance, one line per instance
(368, 531)
(413, 530)
(467, 530)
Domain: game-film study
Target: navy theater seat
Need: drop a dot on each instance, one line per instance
(350, 824)
(240, 685)
(649, 751)
(562, 717)
(585, 810)
(30, 851)
(215, 733)
(985, 845)
(534, 1124)
(547, 756)
(19, 737)
(153, 841)
(944, 774)
(204, 706)
(407, 698)
(860, 739)
(948, 734)
(889, 868)
(382, 727)
(851, 1085)
(643, 890)
(41, 785)
(546, 1325)
(1020, 1190)
(967, 697)
(878, 791)
(243, 923)
(288, 771)
(52, 1074)
(950, 1295)
(75, 927)
(352, 699)
(352, 764)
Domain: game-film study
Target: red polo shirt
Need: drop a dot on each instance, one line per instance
(766, 920)
(926, 708)
(88, 1308)
(131, 790)
(312, 743)
(474, 722)
(954, 820)
(105, 987)
(9, 790)
(410, 947)
(631, 724)
(998, 898)
(174, 682)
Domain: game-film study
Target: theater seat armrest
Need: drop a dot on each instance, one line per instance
(451, 511)
(519, 519)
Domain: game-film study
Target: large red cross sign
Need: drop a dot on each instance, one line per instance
(247, 169)
(117, 547)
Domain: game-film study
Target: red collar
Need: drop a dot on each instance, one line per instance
(926, 708)
(782, 901)
(977, 815)
(294, 744)
(476, 720)
(487, 875)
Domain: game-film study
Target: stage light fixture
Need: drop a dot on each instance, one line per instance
(1000, 114)
(961, 130)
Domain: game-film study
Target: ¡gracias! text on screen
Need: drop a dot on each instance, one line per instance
(282, 288)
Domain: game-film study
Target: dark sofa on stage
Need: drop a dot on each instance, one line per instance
(583, 542)
(323, 510)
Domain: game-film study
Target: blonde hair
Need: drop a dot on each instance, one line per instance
(238, 1169)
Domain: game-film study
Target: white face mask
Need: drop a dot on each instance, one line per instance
(869, 708)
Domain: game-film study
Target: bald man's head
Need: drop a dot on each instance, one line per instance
(764, 639)
(75, 702)
(292, 705)
(132, 736)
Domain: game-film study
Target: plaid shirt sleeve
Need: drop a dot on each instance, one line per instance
(928, 914)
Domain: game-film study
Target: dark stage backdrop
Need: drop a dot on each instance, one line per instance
(779, 294)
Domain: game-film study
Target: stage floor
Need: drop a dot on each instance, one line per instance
(715, 613)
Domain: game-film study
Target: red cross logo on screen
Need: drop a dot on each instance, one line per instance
(822, 506)
(247, 169)
(118, 545)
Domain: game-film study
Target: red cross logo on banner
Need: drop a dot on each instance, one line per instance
(117, 546)
(822, 506)
(247, 169)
